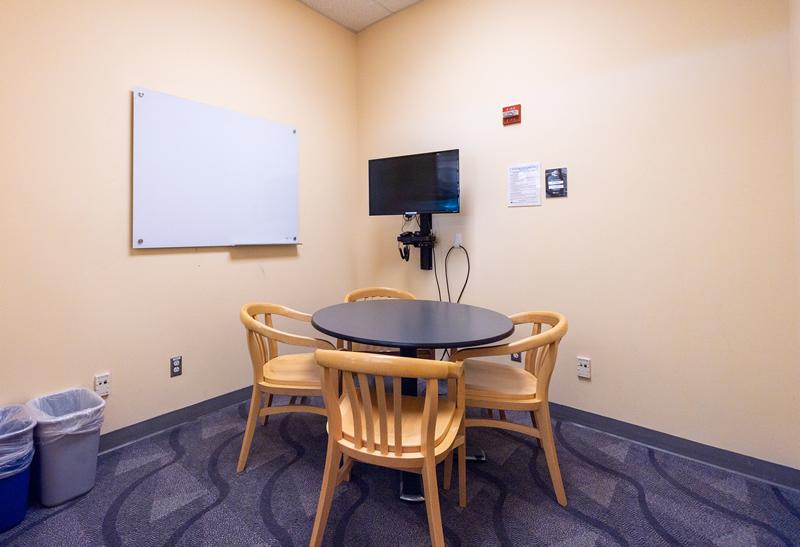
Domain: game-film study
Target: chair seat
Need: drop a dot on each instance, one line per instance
(489, 380)
(296, 370)
(411, 408)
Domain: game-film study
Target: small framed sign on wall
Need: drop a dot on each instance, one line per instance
(555, 181)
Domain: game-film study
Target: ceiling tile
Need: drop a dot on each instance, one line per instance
(396, 5)
(357, 14)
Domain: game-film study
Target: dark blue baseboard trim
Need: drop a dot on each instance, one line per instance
(131, 433)
(739, 463)
(760, 469)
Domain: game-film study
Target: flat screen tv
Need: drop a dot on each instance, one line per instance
(420, 183)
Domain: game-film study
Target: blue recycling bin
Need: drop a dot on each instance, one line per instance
(16, 453)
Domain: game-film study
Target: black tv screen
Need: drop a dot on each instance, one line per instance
(421, 183)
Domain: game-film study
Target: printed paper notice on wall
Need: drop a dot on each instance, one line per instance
(525, 185)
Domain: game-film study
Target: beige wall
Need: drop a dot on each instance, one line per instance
(675, 255)
(74, 298)
(677, 270)
(795, 57)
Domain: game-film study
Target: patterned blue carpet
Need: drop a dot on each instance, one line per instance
(180, 488)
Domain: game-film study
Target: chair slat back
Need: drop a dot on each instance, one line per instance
(429, 416)
(272, 344)
(540, 348)
(258, 354)
(368, 293)
(397, 398)
(363, 380)
(532, 356)
(380, 390)
(373, 293)
(547, 330)
(366, 408)
(355, 407)
(263, 337)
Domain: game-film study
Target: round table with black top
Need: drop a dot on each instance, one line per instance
(410, 325)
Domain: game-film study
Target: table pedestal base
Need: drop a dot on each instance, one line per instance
(410, 483)
(411, 491)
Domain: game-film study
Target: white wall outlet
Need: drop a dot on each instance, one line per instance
(102, 384)
(458, 240)
(584, 367)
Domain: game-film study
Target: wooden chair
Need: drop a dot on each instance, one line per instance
(370, 293)
(368, 424)
(495, 386)
(296, 375)
(367, 293)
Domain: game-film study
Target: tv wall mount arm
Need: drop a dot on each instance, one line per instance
(423, 239)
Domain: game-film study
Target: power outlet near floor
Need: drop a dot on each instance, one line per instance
(102, 384)
(584, 368)
(175, 366)
(516, 357)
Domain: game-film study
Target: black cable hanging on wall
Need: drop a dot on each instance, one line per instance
(436, 275)
(446, 276)
(446, 353)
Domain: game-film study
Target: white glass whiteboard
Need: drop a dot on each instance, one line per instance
(205, 176)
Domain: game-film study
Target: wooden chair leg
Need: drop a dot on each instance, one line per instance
(533, 422)
(267, 405)
(252, 418)
(347, 467)
(549, 446)
(448, 471)
(325, 494)
(462, 475)
(431, 490)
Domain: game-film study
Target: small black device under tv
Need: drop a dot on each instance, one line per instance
(419, 183)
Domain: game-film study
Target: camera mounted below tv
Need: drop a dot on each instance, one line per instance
(416, 185)
(423, 239)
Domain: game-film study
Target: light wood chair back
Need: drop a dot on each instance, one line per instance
(361, 370)
(368, 293)
(373, 293)
(502, 387)
(263, 337)
(547, 330)
(540, 348)
(295, 375)
(387, 428)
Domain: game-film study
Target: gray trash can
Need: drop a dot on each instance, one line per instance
(67, 438)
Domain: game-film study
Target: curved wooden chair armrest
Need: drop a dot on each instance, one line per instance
(275, 309)
(487, 351)
(557, 331)
(248, 310)
(547, 317)
(388, 365)
(380, 292)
